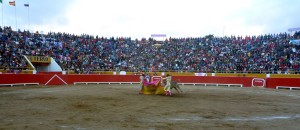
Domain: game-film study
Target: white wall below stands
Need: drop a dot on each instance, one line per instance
(52, 67)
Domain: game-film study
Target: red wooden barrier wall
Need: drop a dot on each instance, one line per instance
(20, 78)
(53, 79)
(246, 81)
(273, 82)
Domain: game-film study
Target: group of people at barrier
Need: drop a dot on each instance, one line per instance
(270, 52)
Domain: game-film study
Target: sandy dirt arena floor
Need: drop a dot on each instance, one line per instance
(120, 107)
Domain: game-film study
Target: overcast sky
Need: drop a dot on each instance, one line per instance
(141, 18)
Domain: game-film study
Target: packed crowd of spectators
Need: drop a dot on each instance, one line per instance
(270, 53)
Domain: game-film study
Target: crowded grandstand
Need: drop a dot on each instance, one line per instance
(268, 53)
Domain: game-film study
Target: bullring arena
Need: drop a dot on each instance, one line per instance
(110, 105)
(69, 82)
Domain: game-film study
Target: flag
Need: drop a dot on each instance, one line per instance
(26, 5)
(13, 3)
